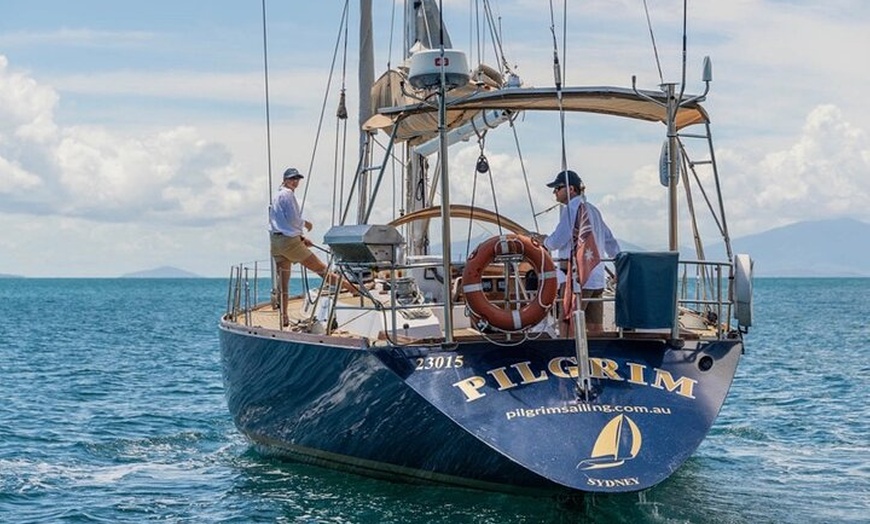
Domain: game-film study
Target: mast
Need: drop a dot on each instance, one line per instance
(418, 165)
(366, 77)
(445, 205)
(423, 29)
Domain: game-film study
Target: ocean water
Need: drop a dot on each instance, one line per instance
(112, 410)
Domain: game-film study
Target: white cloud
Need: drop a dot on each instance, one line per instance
(15, 179)
(75, 37)
(824, 173)
(167, 160)
(173, 176)
(234, 87)
(26, 108)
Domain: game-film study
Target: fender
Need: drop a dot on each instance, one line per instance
(743, 289)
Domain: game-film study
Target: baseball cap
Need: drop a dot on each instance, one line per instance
(573, 180)
(292, 172)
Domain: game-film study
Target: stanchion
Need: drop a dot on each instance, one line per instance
(584, 381)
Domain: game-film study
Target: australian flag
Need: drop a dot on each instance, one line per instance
(584, 256)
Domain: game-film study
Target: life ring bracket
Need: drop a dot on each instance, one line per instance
(512, 248)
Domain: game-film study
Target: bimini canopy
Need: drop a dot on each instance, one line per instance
(418, 122)
(391, 91)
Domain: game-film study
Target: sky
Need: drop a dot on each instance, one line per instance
(133, 134)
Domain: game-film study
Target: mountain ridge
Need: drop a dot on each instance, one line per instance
(822, 248)
(161, 272)
(837, 248)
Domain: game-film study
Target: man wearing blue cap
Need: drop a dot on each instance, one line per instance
(581, 229)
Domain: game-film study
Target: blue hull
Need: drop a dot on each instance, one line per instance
(479, 415)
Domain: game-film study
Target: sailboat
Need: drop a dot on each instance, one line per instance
(610, 448)
(457, 372)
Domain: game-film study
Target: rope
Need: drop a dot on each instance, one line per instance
(334, 165)
(343, 162)
(494, 198)
(473, 199)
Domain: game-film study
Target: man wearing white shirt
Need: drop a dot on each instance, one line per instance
(287, 243)
(568, 189)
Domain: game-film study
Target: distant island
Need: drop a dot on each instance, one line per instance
(821, 248)
(162, 272)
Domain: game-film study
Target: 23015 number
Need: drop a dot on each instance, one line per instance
(439, 362)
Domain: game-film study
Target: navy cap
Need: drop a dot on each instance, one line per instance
(292, 172)
(573, 180)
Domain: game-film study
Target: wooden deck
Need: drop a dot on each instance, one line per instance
(268, 317)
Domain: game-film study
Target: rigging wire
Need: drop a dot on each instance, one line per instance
(683, 80)
(702, 271)
(268, 117)
(525, 174)
(325, 98)
(426, 27)
(340, 130)
(474, 29)
(495, 34)
(273, 270)
(557, 74)
(652, 37)
(392, 35)
(564, 38)
(394, 196)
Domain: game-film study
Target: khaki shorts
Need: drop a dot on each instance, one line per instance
(292, 249)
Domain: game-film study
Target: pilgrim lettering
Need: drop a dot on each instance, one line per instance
(523, 373)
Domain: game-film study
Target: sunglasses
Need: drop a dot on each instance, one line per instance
(558, 188)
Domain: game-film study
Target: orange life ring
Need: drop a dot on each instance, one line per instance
(514, 319)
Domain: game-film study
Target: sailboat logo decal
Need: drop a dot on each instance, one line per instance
(619, 440)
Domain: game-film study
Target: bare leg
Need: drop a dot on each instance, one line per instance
(315, 264)
(594, 311)
(283, 268)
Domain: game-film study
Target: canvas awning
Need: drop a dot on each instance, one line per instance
(419, 121)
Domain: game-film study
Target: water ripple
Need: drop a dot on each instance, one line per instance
(113, 411)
